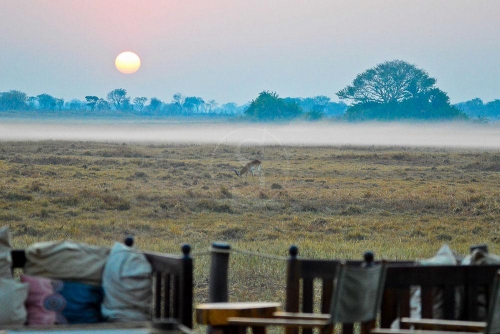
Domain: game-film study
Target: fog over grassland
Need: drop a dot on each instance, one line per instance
(384, 134)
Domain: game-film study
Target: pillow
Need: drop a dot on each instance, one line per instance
(5, 256)
(445, 256)
(56, 302)
(127, 285)
(12, 296)
(66, 260)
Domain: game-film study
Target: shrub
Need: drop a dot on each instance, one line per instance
(225, 193)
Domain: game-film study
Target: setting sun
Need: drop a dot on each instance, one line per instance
(127, 62)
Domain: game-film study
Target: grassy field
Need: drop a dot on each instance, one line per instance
(333, 202)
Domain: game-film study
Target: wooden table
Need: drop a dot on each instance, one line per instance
(216, 314)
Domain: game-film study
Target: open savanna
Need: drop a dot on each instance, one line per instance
(332, 202)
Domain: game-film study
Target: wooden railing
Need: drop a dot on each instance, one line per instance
(303, 295)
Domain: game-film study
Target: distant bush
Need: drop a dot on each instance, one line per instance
(211, 205)
(14, 197)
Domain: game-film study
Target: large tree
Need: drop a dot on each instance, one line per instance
(193, 103)
(46, 102)
(13, 100)
(178, 103)
(210, 106)
(391, 81)
(119, 99)
(229, 108)
(91, 101)
(155, 104)
(269, 107)
(397, 90)
(140, 102)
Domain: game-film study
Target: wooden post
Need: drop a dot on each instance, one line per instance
(368, 258)
(218, 290)
(292, 298)
(218, 281)
(129, 241)
(186, 288)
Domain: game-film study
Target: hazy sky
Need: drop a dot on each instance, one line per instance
(230, 50)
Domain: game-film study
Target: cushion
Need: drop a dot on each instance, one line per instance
(479, 257)
(5, 257)
(52, 302)
(127, 285)
(66, 260)
(12, 296)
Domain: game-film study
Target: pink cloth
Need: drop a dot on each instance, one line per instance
(44, 304)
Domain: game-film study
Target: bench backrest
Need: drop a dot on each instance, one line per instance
(472, 283)
(301, 290)
(302, 294)
(172, 284)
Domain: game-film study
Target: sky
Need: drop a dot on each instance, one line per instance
(231, 50)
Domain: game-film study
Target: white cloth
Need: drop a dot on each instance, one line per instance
(66, 260)
(12, 296)
(127, 285)
(5, 257)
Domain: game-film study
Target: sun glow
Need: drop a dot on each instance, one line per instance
(127, 62)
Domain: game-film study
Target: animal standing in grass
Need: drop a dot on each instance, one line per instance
(252, 166)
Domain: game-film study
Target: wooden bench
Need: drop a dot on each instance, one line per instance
(401, 276)
(172, 284)
(470, 280)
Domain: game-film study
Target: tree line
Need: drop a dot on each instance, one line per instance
(116, 100)
(393, 90)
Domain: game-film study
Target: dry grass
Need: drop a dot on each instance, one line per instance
(333, 202)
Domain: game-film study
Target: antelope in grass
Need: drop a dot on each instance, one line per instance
(252, 166)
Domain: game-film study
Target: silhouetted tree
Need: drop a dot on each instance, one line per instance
(318, 105)
(154, 104)
(397, 90)
(91, 101)
(178, 101)
(321, 100)
(59, 104)
(46, 102)
(13, 100)
(316, 113)
(269, 107)
(139, 103)
(493, 109)
(193, 103)
(75, 104)
(101, 105)
(477, 108)
(32, 102)
(391, 81)
(118, 99)
(211, 105)
(335, 108)
(229, 108)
